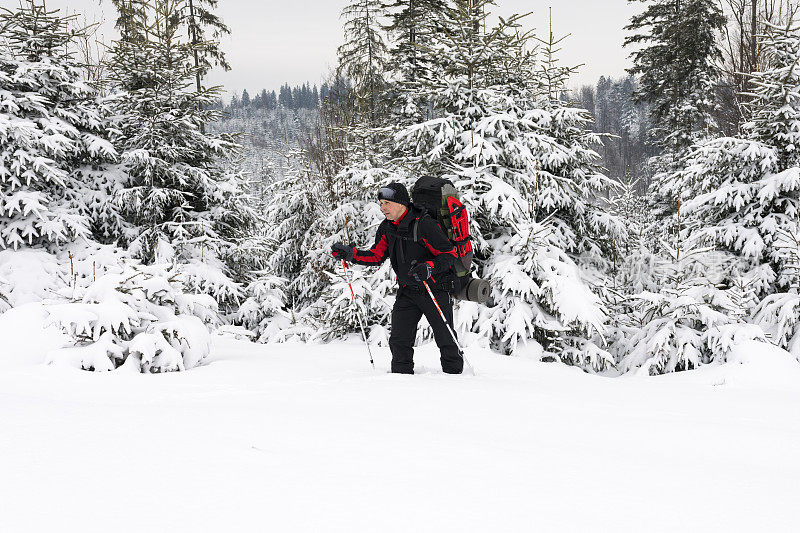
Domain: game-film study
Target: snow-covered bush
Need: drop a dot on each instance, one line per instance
(5, 295)
(687, 322)
(136, 316)
(779, 316)
(672, 330)
(779, 313)
(264, 310)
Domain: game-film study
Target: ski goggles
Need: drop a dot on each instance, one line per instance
(386, 193)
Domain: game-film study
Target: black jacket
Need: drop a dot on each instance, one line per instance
(396, 241)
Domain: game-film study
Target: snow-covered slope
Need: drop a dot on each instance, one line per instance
(310, 438)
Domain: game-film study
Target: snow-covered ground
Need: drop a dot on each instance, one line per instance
(309, 438)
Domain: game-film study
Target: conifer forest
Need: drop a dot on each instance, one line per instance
(200, 329)
(644, 222)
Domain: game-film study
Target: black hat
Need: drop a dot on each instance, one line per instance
(395, 192)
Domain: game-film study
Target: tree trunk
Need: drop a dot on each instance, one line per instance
(193, 38)
(412, 37)
(753, 36)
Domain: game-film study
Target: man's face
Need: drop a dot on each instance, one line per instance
(392, 210)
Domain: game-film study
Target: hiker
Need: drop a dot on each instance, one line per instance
(428, 258)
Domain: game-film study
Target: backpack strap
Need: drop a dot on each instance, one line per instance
(415, 231)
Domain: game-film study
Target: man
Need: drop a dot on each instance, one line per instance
(429, 258)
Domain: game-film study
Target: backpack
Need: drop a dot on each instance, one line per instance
(439, 198)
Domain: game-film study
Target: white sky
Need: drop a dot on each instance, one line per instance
(295, 41)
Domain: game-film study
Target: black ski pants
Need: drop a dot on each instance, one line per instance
(410, 305)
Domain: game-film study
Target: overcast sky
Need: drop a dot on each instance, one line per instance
(277, 41)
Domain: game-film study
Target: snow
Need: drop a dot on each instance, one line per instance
(25, 340)
(305, 437)
(31, 273)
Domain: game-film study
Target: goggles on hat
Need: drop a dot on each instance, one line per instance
(386, 193)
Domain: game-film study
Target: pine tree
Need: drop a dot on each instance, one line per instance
(678, 66)
(745, 190)
(363, 55)
(285, 97)
(529, 175)
(52, 136)
(413, 25)
(204, 30)
(181, 202)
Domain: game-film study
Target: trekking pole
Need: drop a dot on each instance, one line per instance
(452, 333)
(358, 313)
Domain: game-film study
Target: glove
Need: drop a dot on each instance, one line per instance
(343, 251)
(420, 271)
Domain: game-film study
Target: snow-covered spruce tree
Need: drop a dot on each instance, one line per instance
(412, 29)
(677, 59)
(524, 162)
(745, 192)
(684, 305)
(363, 56)
(181, 202)
(53, 140)
(742, 204)
(775, 110)
(733, 209)
(687, 321)
(137, 316)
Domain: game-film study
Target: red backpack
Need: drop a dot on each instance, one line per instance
(439, 198)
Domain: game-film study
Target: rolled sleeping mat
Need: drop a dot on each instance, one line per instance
(475, 290)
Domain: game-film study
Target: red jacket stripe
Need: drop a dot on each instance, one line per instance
(375, 255)
(436, 252)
